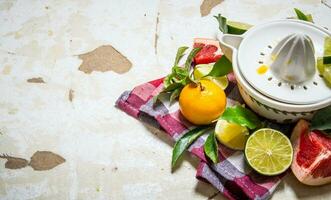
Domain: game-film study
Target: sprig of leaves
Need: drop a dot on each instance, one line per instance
(185, 141)
(303, 16)
(179, 76)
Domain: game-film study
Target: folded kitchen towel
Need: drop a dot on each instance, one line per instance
(231, 176)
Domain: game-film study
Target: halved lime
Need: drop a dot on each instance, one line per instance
(324, 63)
(327, 46)
(202, 70)
(231, 135)
(269, 152)
(327, 75)
(237, 27)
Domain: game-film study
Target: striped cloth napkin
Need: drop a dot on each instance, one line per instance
(231, 176)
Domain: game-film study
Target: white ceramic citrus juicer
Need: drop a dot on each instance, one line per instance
(293, 59)
(290, 88)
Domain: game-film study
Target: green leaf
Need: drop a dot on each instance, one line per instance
(155, 98)
(326, 60)
(190, 57)
(241, 116)
(185, 141)
(221, 68)
(180, 71)
(172, 86)
(222, 23)
(301, 15)
(211, 148)
(175, 94)
(180, 54)
(322, 120)
(168, 80)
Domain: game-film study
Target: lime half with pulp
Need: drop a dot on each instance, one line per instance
(269, 152)
(237, 27)
(202, 70)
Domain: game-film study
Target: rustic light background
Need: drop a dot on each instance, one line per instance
(48, 104)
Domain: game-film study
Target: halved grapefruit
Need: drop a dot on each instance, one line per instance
(210, 51)
(312, 155)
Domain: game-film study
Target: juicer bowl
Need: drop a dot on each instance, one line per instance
(263, 104)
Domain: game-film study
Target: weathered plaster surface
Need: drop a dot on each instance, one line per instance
(108, 155)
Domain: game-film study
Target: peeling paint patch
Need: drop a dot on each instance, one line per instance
(40, 161)
(104, 58)
(156, 36)
(71, 95)
(36, 80)
(207, 6)
(14, 163)
(45, 160)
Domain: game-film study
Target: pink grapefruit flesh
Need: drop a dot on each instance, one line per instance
(312, 155)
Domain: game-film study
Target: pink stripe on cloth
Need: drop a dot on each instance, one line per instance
(232, 181)
(171, 125)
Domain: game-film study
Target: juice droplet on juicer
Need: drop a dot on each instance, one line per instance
(262, 69)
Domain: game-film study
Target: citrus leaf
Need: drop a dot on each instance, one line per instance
(190, 57)
(167, 80)
(326, 60)
(175, 94)
(241, 116)
(180, 54)
(155, 98)
(221, 68)
(180, 71)
(301, 15)
(211, 148)
(185, 141)
(322, 120)
(172, 87)
(222, 23)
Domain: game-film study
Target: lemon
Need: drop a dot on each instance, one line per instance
(202, 70)
(269, 152)
(237, 27)
(231, 135)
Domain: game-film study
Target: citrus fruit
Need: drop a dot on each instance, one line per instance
(200, 71)
(269, 152)
(210, 51)
(202, 103)
(324, 70)
(327, 74)
(237, 27)
(327, 46)
(231, 135)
